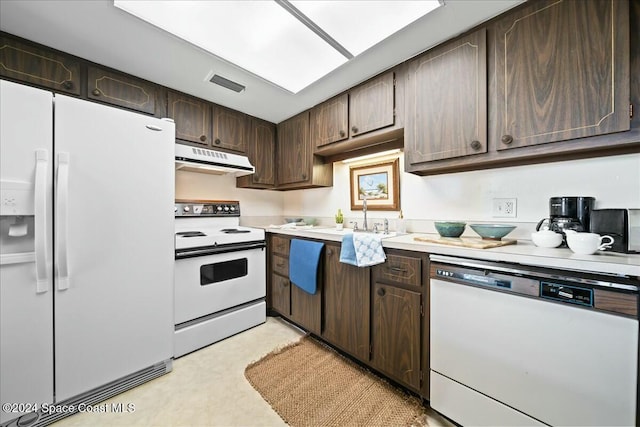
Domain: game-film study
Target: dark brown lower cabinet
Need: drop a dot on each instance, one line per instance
(346, 305)
(396, 318)
(306, 308)
(281, 294)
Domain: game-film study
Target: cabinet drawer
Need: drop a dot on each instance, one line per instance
(280, 245)
(121, 90)
(280, 265)
(399, 270)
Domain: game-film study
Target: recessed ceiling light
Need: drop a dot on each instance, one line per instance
(289, 43)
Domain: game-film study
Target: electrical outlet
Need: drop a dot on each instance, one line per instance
(505, 208)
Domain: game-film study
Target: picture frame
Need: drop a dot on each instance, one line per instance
(380, 182)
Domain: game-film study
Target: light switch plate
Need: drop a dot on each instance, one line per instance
(505, 208)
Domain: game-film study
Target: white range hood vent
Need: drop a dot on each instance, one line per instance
(195, 159)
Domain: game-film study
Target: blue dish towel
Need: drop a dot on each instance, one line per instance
(362, 249)
(304, 256)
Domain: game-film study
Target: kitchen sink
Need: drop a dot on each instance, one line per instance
(344, 231)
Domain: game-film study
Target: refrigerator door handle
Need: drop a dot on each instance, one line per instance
(40, 213)
(62, 205)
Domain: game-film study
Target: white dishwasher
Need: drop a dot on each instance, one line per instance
(515, 345)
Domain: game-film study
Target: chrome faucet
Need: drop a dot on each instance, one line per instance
(364, 211)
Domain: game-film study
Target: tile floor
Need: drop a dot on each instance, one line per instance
(206, 387)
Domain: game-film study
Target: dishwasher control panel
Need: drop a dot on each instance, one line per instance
(474, 279)
(566, 293)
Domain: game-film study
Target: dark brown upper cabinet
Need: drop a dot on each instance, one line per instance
(261, 150)
(371, 105)
(330, 121)
(39, 66)
(447, 102)
(121, 90)
(298, 167)
(562, 72)
(192, 117)
(230, 129)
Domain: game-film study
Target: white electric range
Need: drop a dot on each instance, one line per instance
(220, 274)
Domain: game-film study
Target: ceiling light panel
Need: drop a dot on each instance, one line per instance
(359, 25)
(259, 36)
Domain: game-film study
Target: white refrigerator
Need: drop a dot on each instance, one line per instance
(86, 249)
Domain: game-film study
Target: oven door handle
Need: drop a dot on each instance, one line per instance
(216, 250)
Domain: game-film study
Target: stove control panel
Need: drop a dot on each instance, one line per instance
(207, 209)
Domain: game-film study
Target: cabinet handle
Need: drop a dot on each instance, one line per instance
(96, 92)
(507, 139)
(67, 84)
(342, 134)
(398, 269)
(381, 292)
(354, 129)
(217, 141)
(203, 138)
(476, 145)
(280, 265)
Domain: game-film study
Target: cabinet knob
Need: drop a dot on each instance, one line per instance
(96, 92)
(284, 283)
(342, 134)
(354, 129)
(304, 176)
(217, 141)
(329, 252)
(203, 138)
(507, 139)
(67, 84)
(381, 292)
(476, 145)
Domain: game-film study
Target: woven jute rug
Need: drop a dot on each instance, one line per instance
(310, 385)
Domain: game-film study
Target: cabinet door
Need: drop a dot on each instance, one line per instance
(447, 101)
(281, 294)
(396, 340)
(306, 308)
(562, 72)
(192, 117)
(346, 305)
(329, 121)
(294, 150)
(371, 105)
(42, 67)
(230, 129)
(261, 150)
(121, 90)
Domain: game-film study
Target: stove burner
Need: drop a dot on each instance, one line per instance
(191, 234)
(234, 231)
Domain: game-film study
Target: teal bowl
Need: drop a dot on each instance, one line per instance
(449, 228)
(492, 231)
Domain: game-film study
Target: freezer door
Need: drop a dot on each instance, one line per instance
(114, 244)
(26, 307)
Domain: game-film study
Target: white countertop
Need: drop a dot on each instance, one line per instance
(524, 252)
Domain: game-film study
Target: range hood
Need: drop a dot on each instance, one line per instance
(195, 159)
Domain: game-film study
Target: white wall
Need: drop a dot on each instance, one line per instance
(613, 181)
(256, 206)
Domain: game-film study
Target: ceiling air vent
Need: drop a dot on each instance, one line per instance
(219, 80)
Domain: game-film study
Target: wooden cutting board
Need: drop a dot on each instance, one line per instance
(466, 242)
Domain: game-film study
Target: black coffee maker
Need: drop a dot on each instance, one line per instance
(568, 213)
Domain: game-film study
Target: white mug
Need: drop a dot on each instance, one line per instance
(587, 243)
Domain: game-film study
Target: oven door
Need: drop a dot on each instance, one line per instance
(210, 283)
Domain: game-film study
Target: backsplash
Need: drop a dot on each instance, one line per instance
(467, 196)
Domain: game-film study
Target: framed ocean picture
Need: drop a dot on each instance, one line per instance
(379, 183)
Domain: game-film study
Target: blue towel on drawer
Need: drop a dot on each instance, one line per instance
(304, 256)
(362, 249)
